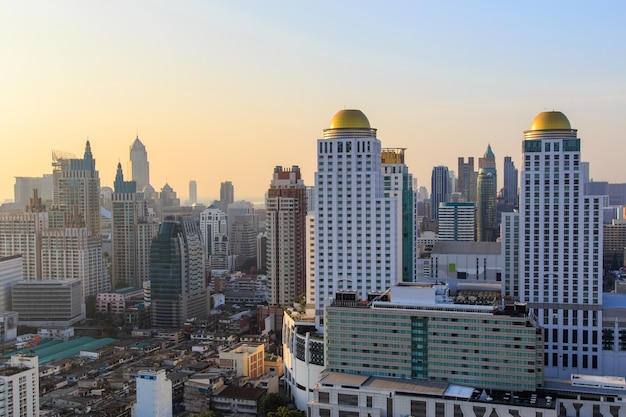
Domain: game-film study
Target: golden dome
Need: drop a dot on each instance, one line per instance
(349, 119)
(550, 120)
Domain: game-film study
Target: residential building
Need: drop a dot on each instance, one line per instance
(177, 270)
(19, 387)
(116, 301)
(285, 222)
(237, 401)
(154, 394)
(467, 179)
(214, 231)
(11, 271)
(245, 359)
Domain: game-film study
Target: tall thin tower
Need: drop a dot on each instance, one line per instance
(561, 247)
(486, 198)
(439, 190)
(140, 167)
(285, 222)
(357, 226)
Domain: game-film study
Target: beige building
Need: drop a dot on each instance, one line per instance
(245, 359)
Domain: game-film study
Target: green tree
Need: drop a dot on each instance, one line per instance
(271, 402)
(286, 412)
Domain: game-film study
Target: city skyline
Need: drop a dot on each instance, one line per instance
(223, 92)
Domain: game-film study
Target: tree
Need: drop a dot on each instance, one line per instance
(271, 402)
(286, 412)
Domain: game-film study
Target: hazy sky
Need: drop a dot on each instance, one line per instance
(227, 90)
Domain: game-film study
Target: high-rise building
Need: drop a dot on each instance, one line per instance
(19, 380)
(78, 192)
(486, 198)
(358, 227)
(439, 190)
(456, 221)
(132, 231)
(560, 270)
(467, 179)
(243, 228)
(140, 167)
(21, 233)
(11, 271)
(23, 189)
(227, 195)
(511, 183)
(177, 274)
(154, 394)
(193, 192)
(285, 222)
(398, 182)
(214, 231)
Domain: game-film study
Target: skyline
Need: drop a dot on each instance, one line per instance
(227, 91)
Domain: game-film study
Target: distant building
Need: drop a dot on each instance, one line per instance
(21, 234)
(19, 380)
(511, 183)
(115, 302)
(471, 261)
(439, 190)
(48, 303)
(227, 195)
(214, 231)
(193, 192)
(154, 394)
(11, 271)
(285, 231)
(456, 221)
(467, 179)
(177, 268)
(140, 167)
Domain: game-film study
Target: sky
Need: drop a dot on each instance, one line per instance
(227, 90)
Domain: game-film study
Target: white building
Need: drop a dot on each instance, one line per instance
(11, 271)
(457, 221)
(20, 233)
(560, 267)
(19, 387)
(214, 231)
(357, 226)
(154, 394)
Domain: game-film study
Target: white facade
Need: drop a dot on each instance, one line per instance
(357, 227)
(154, 394)
(19, 387)
(214, 231)
(457, 221)
(20, 233)
(561, 248)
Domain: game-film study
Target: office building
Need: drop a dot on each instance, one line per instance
(285, 222)
(467, 179)
(140, 167)
(439, 189)
(227, 193)
(486, 206)
(154, 394)
(19, 387)
(358, 227)
(561, 237)
(457, 221)
(177, 270)
(425, 331)
(132, 231)
(11, 271)
(398, 182)
(77, 191)
(215, 239)
(49, 303)
(511, 184)
(193, 192)
(243, 228)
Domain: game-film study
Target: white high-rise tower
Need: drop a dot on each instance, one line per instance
(357, 227)
(560, 270)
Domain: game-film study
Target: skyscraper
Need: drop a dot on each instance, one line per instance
(132, 231)
(467, 178)
(177, 274)
(561, 247)
(398, 182)
(214, 231)
(456, 221)
(285, 222)
(486, 198)
(227, 195)
(78, 192)
(510, 182)
(193, 192)
(358, 228)
(140, 167)
(439, 190)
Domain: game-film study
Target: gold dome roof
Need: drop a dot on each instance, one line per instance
(550, 120)
(349, 119)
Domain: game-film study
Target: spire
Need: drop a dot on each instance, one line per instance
(489, 152)
(88, 154)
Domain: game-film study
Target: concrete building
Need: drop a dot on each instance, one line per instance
(215, 239)
(115, 302)
(11, 271)
(20, 234)
(471, 261)
(439, 189)
(193, 192)
(486, 198)
(457, 221)
(424, 331)
(49, 303)
(467, 179)
(358, 227)
(511, 183)
(132, 231)
(245, 359)
(227, 194)
(285, 222)
(154, 394)
(140, 167)
(560, 247)
(614, 241)
(177, 268)
(19, 387)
